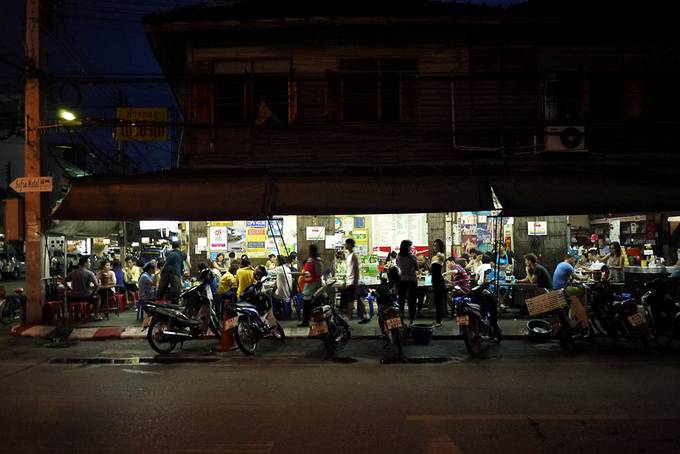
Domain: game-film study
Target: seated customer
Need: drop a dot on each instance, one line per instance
(107, 285)
(536, 273)
(147, 288)
(83, 283)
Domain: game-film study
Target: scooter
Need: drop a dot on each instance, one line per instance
(326, 323)
(172, 323)
(475, 320)
(389, 318)
(616, 316)
(252, 318)
(11, 306)
(662, 311)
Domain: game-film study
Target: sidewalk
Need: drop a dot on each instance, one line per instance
(125, 326)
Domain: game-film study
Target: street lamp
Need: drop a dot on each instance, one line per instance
(67, 115)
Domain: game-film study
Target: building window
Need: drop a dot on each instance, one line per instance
(606, 97)
(372, 87)
(561, 98)
(253, 91)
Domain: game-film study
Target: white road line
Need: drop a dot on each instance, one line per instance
(574, 417)
(141, 372)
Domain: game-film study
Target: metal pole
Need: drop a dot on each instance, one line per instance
(33, 160)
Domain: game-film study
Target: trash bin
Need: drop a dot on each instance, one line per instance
(422, 333)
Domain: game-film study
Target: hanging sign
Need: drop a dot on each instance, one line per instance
(316, 233)
(538, 228)
(142, 124)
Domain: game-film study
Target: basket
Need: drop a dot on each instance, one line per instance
(547, 302)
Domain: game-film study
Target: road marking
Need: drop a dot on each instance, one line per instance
(442, 444)
(141, 372)
(574, 417)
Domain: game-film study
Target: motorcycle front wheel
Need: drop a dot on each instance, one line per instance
(245, 336)
(566, 338)
(158, 341)
(329, 344)
(472, 338)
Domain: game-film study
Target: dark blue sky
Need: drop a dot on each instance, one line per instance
(98, 37)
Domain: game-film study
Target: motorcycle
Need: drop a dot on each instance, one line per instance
(326, 322)
(389, 318)
(473, 316)
(191, 319)
(252, 318)
(615, 316)
(662, 312)
(11, 306)
(569, 323)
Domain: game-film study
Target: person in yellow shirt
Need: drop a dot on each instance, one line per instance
(227, 281)
(245, 277)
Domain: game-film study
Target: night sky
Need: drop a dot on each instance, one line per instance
(102, 37)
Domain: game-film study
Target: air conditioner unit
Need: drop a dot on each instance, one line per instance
(565, 138)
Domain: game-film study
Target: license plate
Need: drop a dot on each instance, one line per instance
(146, 322)
(463, 320)
(637, 319)
(318, 328)
(230, 323)
(392, 323)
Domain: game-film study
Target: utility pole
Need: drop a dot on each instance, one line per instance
(35, 202)
(121, 101)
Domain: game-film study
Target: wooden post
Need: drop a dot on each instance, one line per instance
(33, 159)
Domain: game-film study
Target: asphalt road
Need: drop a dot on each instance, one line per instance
(291, 399)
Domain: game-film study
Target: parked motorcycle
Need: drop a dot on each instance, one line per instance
(191, 319)
(389, 317)
(615, 316)
(11, 306)
(662, 311)
(256, 318)
(566, 324)
(474, 318)
(326, 322)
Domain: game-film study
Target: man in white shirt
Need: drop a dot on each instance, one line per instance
(483, 269)
(349, 293)
(284, 279)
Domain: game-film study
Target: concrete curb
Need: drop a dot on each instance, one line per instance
(135, 332)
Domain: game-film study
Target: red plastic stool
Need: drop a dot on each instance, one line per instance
(56, 310)
(120, 299)
(81, 308)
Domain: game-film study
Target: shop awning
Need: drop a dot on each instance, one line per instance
(201, 196)
(584, 194)
(84, 229)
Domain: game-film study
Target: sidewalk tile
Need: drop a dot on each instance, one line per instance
(83, 333)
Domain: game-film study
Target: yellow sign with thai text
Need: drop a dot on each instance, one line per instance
(142, 124)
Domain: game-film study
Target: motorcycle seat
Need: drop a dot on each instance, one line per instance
(474, 306)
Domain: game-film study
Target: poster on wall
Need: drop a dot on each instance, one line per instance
(218, 238)
(333, 241)
(615, 230)
(316, 233)
(256, 239)
(236, 237)
(537, 228)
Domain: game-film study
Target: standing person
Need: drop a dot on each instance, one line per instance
(438, 284)
(216, 271)
(245, 276)
(107, 285)
(615, 262)
(349, 292)
(311, 272)
(84, 284)
(408, 284)
(147, 288)
(219, 264)
(171, 274)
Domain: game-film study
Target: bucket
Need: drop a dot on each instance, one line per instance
(422, 333)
